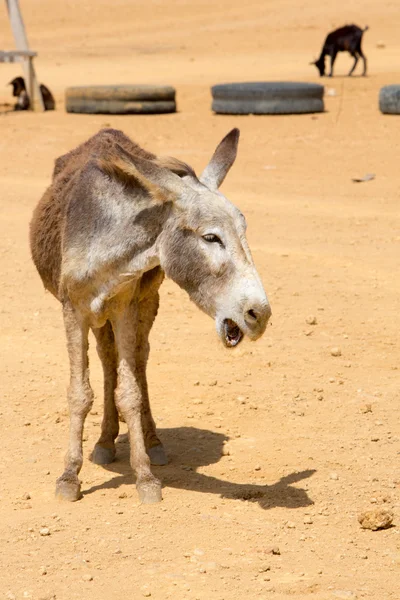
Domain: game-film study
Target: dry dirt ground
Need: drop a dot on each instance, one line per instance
(278, 444)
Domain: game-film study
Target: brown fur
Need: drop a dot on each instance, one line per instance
(114, 219)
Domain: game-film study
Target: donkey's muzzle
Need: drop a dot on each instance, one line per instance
(256, 317)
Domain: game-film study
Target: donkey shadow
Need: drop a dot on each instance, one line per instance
(190, 448)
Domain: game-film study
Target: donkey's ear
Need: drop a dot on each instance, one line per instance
(222, 160)
(161, 182)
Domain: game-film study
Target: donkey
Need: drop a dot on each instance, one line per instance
(347, 38)
(114, 220)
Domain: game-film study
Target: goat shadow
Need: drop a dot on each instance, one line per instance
(188, 449)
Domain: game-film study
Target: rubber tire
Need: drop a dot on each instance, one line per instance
(274, 98)
(120, 99)
(119, 107)
(389, 100)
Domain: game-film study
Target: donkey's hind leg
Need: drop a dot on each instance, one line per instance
(148, 309)
(80, 398)
(104, 450)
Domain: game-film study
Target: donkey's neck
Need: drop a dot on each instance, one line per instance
(99, 271)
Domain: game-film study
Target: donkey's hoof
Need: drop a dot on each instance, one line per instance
(157, 455)
(102, 456)
(68, 490)
(149, 491)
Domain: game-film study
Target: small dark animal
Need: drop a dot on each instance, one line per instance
(19, 91)
(345, 39)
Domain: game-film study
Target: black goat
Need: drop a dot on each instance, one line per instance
(345, 39)
(23, 102)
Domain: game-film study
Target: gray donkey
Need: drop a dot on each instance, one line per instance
(115, 219)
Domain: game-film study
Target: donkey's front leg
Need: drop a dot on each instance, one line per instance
(129, 402)
(80, 398)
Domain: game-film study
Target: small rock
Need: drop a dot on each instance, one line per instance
(43, 571)
(374, 438)
(264, 568)
(10, 596)
(275, 550)
(87, 577)
(311, 320)
(308, 520)
(336, 351)
(27, 423)
(212, 383)
(330, 92)
(26, 496)
(44, 531)
(380, 45)
(291, 525)
(366, 408)
(344, 595)
(334, 476)
(378, 518)
(257, 468)
(145, 591)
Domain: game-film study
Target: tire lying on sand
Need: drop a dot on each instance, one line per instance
(267, 98)
(389, 100)
(120, 99)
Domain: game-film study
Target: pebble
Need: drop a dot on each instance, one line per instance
(334, 476)
(44, 531)
(26, 496)
(336, 351)
(275, 550)
(374, 438)
(145, 591)
(291, 525)
(377, 518)
(311, 320)
(212, 383)
(344, 595)
(43, 571)
(366, 408)
(264, 568)
(257, 468)
(87, 577)
(308, 521)
(10, 596)
(381, 45)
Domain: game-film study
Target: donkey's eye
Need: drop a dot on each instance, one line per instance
(211, 238)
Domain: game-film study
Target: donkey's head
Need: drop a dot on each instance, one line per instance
(205, 251)
(203, 246)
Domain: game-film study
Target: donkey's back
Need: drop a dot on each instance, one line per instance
(46, 227)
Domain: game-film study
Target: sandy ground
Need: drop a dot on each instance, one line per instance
(276, 444)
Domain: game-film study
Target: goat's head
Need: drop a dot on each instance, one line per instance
(320, 64)
(18, 84)
(203, 246)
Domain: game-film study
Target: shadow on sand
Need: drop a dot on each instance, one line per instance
(188, 449)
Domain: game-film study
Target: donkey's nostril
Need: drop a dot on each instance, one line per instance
(251, 313)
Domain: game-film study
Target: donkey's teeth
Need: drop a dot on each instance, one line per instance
(233, 334)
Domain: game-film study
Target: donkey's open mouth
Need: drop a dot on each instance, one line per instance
(232, 333)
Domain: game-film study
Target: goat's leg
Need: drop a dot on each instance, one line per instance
(364, 61)
(147, 313)
(356, 57)
(129, 401)
(333, 58)
(80, 398)
(104, 450)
